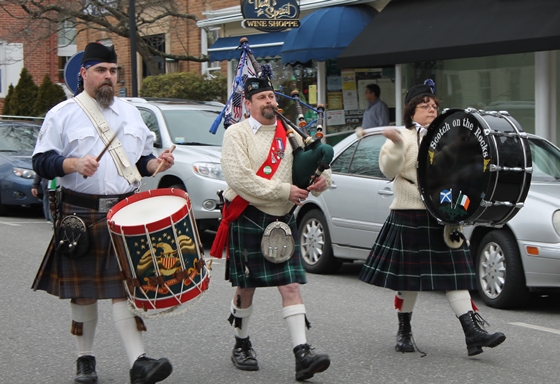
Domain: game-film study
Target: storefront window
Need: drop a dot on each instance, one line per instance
(495, 83)
(346, 100)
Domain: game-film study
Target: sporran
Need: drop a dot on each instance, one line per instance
(72, 238)
(277, 244)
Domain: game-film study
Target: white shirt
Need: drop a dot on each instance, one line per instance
(68, 131)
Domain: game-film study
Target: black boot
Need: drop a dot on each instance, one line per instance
(243, 355)
(149, 371)
(476, 336)
(308, 363)
(404, 334)
(85, 370)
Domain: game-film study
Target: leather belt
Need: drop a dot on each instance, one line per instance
(100, 203)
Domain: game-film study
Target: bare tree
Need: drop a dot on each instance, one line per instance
(41, 18)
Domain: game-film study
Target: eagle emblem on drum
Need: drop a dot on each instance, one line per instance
(168, 261)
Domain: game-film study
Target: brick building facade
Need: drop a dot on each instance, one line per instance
(38, 56)
(41, 57)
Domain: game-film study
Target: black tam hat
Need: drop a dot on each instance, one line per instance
(99, 52)
(255, 85)
(426, 89)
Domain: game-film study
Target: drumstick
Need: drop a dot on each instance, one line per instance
(164, 161)
(104, 150)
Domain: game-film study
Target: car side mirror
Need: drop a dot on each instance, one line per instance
(157, 144)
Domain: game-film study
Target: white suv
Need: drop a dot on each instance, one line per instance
(197, 169)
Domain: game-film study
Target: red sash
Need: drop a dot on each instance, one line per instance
(232, 211)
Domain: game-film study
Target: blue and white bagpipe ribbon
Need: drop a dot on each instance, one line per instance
(300, 117)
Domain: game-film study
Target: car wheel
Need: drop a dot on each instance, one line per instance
(500, 277)
(315, 241)
(178, 186)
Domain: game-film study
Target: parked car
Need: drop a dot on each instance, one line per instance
(521, 257)
(197, 170)
(17, 141)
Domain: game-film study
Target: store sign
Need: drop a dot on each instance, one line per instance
(270, 15)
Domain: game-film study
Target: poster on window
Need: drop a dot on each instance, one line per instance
(335, 117)
(349, 92)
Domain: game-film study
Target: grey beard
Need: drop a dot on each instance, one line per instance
(105, 96)
(268, 113)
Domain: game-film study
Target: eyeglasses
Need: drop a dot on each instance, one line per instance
(428, 106)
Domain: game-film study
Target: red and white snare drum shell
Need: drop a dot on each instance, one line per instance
(145, 229)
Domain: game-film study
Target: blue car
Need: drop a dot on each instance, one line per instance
(17, 141)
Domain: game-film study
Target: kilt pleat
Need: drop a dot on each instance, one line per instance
(247, 266)
(96, 275)
(410, 254)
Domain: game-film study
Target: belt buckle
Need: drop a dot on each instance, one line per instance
(107, 203)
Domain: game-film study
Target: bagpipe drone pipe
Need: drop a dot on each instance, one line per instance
(311, 159)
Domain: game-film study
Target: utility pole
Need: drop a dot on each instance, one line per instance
(133, 64)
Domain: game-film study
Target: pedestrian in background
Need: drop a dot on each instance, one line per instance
(377, 112)
(40, 189)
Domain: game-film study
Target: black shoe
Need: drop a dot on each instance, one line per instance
(85, 370)
(149, 371)
(476, 337)
(404, 334)
(244, 356)
(308, 363)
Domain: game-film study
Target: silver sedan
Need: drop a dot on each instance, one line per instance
(511, 261)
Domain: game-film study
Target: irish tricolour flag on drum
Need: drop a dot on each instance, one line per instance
(463, 200)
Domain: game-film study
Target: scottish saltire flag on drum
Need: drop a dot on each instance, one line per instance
(158, 248)
(474, 167)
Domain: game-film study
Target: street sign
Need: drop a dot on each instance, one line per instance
(71, 71)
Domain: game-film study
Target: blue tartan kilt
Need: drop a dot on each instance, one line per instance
(247, 266)
(96, 275)
(410, 254)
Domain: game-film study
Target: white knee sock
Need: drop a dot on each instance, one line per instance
(243, 314)
(126, 327)
(460, 301)
(87, 315)
(295, 318)
(405, 300)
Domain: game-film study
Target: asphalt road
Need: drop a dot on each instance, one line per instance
(351, 321)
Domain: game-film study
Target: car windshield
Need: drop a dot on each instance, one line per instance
(192, 127)
(18, 138)
(546, 160)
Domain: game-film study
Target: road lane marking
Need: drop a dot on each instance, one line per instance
(538, 328)
(10, 224)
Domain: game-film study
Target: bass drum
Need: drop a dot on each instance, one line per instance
(474, 167)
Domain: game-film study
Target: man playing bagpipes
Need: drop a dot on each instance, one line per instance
(258, 227)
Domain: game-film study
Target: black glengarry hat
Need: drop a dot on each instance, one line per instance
(99, 52)
(426, 89)
(255, 85)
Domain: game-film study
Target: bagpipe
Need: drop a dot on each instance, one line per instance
(311, 159)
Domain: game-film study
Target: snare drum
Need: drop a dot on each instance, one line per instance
(156, 240)
(474, 167)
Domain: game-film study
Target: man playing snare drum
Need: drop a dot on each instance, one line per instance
(80, 263)
(257, 165)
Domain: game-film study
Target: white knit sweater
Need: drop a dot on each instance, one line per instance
(399, 161)
(243, 153)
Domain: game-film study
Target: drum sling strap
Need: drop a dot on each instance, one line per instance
(124, 168)
(232, 211)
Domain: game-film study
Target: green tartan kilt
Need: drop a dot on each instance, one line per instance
(410, 254)
(247, 266)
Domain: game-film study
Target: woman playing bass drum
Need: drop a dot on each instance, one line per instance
(410, 254)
